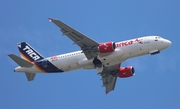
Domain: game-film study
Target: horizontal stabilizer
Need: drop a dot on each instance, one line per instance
(30, 76)
(21, 62)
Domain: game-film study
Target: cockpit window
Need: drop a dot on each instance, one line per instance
(156, 38)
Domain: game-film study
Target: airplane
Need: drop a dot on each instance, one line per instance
(105, 57)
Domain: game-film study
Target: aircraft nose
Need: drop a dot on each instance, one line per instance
(168, 43)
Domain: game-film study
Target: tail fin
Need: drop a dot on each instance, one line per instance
(28, 53)
(30, 76)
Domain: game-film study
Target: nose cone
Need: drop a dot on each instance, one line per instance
(167, 43)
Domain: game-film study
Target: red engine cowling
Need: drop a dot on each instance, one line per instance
(125, 72)
(107, 47)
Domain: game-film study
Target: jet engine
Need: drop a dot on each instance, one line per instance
(125, 72)
(107, 47)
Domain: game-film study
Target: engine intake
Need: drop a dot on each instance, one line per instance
(107, 47)
(125, 72)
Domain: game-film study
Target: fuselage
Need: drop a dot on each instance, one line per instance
(77, 60)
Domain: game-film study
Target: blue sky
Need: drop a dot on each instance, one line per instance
(156, 84)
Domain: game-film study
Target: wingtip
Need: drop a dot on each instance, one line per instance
(106, 92)
(50, 19)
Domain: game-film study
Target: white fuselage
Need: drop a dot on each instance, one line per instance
(124, 50)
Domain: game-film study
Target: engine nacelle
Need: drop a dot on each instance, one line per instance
(125, 72)
(107, 47)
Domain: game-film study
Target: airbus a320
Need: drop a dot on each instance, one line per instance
(106, 57)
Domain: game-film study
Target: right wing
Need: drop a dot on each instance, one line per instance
(85, 43)
(109, 77)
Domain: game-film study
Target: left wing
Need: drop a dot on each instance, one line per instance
(85, 43)
(109, 77)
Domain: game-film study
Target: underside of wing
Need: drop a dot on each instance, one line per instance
(109, 77)
(85, 43)
(109, 82)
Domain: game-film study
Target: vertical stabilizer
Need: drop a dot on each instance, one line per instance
(28, 53)
(30, 76)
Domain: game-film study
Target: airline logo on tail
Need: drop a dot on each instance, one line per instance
(31, 53)
(28, 52)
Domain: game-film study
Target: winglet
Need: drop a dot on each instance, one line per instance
(50, 19)
(106, 92)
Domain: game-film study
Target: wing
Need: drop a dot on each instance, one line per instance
(86, 44)
(109, 77)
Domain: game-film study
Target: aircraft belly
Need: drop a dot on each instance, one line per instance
(68, 64)
(113, 58)
(26, 69)
(89, 66)
(85, 63)
(74, 66)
